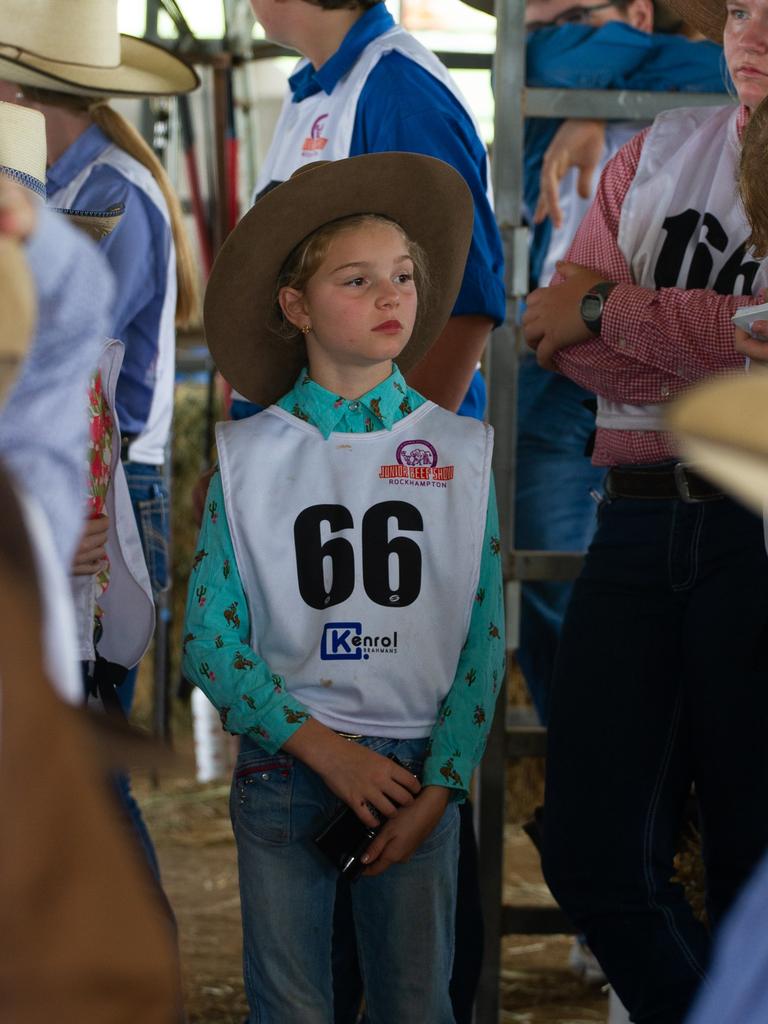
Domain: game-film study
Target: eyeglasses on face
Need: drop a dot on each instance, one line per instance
(577, 15)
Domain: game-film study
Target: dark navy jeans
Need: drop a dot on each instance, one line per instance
(661, 682)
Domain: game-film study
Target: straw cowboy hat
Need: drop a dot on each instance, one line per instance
(23, 155)
(19, 160)
(425, 196)
(17, 310)
(74, 46)
(722, 427)
(22, 159)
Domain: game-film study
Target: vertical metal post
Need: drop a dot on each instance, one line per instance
(509, 85)
(221, 67)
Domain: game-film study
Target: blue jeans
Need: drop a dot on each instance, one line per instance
(404, 919)
(149, 497)
(661, 682)
(553, 507)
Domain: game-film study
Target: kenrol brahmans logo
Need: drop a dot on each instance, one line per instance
(417, 466)
(346, 641)
(314, 142)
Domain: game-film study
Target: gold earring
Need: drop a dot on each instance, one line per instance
(306, 329)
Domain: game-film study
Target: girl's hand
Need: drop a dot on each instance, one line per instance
(91, 552)
(356, 775)
(18, 211)
(402, 835)
(754, 347)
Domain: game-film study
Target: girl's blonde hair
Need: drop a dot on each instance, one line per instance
(306, 258)
(125, 136)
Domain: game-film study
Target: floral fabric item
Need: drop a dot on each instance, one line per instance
(100, 436)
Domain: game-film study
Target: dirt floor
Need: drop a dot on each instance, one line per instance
(190, 825)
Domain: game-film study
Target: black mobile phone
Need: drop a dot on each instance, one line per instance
(345, 838)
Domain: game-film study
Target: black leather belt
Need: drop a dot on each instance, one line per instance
(658, 482)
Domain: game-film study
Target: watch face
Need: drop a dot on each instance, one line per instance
(591, 307)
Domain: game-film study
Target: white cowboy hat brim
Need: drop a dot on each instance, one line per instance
(722, 428)
(145, 69)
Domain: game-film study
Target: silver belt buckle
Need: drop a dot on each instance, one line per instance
(682, 483)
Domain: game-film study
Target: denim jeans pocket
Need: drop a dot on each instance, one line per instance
(446, 830)
(262, 789)
(153, 526)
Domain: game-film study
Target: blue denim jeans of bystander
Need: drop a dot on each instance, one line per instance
(553, 507)
(404, 919)
(661, 682)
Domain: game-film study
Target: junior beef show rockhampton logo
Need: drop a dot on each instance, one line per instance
(417, 466)
(315, 142)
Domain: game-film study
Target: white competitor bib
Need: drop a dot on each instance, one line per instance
(149, 446)
(320, 127)
(360, 558)
(682, 225)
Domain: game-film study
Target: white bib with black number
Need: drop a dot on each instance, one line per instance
(360, 558)
(682, 225)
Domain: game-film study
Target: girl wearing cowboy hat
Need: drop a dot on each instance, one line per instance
(66, 60)
(660, 678)
(345, 600)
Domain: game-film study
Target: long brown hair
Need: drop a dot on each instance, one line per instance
(752, 181)
(125, 136)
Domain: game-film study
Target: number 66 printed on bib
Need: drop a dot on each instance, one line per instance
(391, 566)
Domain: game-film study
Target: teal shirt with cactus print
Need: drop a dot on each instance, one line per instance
(252, 698)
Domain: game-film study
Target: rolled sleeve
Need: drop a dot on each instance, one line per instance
(460, 734)
(217, 655)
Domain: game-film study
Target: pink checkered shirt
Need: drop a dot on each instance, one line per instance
(654, 344)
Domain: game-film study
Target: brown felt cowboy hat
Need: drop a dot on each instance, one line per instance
(707, 16)
(426, 197)
(486, 6)
(722, 427)
(74, 46)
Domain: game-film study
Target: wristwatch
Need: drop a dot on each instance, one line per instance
(593, 304)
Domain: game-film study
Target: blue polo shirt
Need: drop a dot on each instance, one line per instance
(403, 108)
(137, 252)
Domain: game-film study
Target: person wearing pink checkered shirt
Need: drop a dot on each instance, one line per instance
(661, 679)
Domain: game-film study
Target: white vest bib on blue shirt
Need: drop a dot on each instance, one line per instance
(149, 446)
(682, 225)
(359, 557)
(320, 127)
